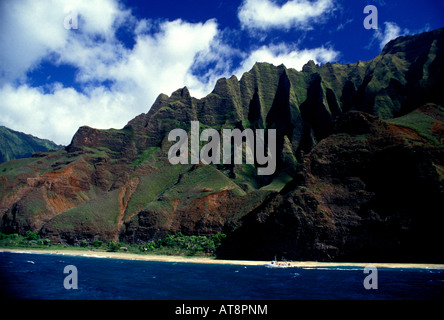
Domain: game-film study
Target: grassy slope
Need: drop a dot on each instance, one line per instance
(419, 122)
(101, 212)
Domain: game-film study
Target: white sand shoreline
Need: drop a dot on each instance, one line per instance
(164, 258)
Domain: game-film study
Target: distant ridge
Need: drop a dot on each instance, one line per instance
(17, 145)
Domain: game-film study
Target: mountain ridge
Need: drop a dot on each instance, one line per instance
(16, 145)
(337, 126)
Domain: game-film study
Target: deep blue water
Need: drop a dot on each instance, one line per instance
(40, 276)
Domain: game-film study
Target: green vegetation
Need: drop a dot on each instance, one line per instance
(180, 244)
(194, 184)
(100, 152)
(29, 240)
(54, 161)
(13, 168)
(101, 212)
(32, 240)
(151, 186)
(177, 244)
(418, 122)
(149, 155)
(278, 183)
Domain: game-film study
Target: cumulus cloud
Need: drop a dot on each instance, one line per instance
(391, 31)
(266, 14)
(158, 62)
(162, 62)
(58, 114)
(115, 81)
(33, 29)
(291, 57)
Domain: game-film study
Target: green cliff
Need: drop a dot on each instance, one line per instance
(16, 145)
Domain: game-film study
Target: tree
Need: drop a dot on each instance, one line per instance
(113, 246)
(31, 235)
(97, 243)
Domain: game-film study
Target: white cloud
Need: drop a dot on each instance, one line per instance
(266, 14)
(158, 63)
(57, 115)
(23, 37)
(166, 56)
(391, 31)
(289, 56)
(33, 29)
(162, 62)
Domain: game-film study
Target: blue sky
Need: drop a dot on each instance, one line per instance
(123, 54)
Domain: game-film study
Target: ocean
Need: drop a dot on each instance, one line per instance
(43, 276)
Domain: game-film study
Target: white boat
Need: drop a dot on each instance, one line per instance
(278, 264)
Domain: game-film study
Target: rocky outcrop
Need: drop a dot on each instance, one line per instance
(371, 191)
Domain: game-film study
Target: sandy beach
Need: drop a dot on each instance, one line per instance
(164, 258)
